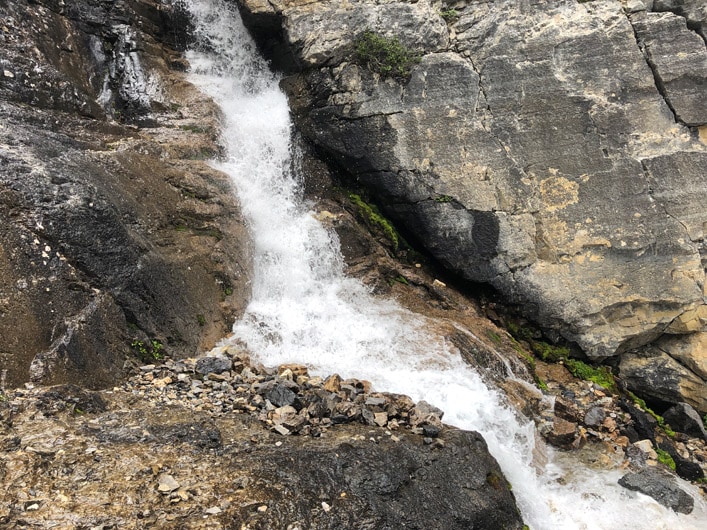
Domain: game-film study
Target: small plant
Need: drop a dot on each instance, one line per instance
(387, 57)
(374, 219)
(665, 458)
(444, 198)
(151, 351)
(449, 15)
(661, 421)
(228, 291)
(201, 320)
(495, 337)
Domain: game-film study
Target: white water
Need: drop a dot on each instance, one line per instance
(305, 310)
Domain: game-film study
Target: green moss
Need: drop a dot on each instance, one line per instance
(449, 14)
(665, 458)
(374, 219)
(387, 57)
(495, 337)
(602, 376)
(201, 319)
(195, 129)
(661, 421)
(548, 352)
(443, 198)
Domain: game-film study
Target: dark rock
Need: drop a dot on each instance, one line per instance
(644, 424)
(209, 365)
(661, 486)
(683, 418)
(280, 396)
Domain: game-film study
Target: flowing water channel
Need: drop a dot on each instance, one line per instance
(304, 309)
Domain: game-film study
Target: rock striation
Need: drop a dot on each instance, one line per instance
(116, 239)
(555, 151)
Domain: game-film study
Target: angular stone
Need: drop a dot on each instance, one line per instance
(167, 484)
(332, 383)
(563, 433)
(280, 396)
(208, 365)
(683, 418)
(594, 417)
(661, 486)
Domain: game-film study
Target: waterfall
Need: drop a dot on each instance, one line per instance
(304, 309)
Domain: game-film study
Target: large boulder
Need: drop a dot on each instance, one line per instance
(111, 235)
(572, 182)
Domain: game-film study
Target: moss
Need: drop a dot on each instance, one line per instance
(449, 15)
(386, 57)
(602, 376)
(665, 458)
(550, 353)
(374, 219)
(661, 421)
(495, 337)
(444, 198)
(201, 319)
(195, 129)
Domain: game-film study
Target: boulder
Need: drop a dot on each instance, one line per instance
(661, 486)
(683, 418)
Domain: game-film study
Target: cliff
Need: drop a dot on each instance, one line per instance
(553, 150)
(117, 240)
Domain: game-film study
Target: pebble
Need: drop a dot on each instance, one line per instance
(167, 484)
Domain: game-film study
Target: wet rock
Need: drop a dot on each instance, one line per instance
(562, 434)
(683, 418)
(661, 486)
(208, 365)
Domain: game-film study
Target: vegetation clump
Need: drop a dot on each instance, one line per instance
(148, 351)
(665, 458)
(374, 219)
(386, 57)
(661, 421)
(449, 15)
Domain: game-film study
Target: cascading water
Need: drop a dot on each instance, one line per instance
(304, 309)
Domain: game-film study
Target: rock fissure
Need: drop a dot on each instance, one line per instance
(659, 83)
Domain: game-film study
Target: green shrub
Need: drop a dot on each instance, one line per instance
(449, 14)
(387, 57)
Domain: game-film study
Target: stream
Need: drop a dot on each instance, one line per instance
(304, 309)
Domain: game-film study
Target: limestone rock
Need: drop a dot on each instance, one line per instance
(683, 418)
(678, 57)
(112, 235)
(658, 376)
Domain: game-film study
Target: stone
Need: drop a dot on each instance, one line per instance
(562, 434)
(653, 374)
(683, 418)
(594, 417)
(280, 396)
(646, 447)
(660, 486)
(332, 383)
(679, 60)
(208, 365)
(167, 484)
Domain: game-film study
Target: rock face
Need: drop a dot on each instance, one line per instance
(661, 486)
(112, 236)
(572, 182)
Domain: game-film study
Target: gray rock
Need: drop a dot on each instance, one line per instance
(656, 375)
(683, 418)
(661, 486)
(594, 416)
(678, 57)
(216, 364)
